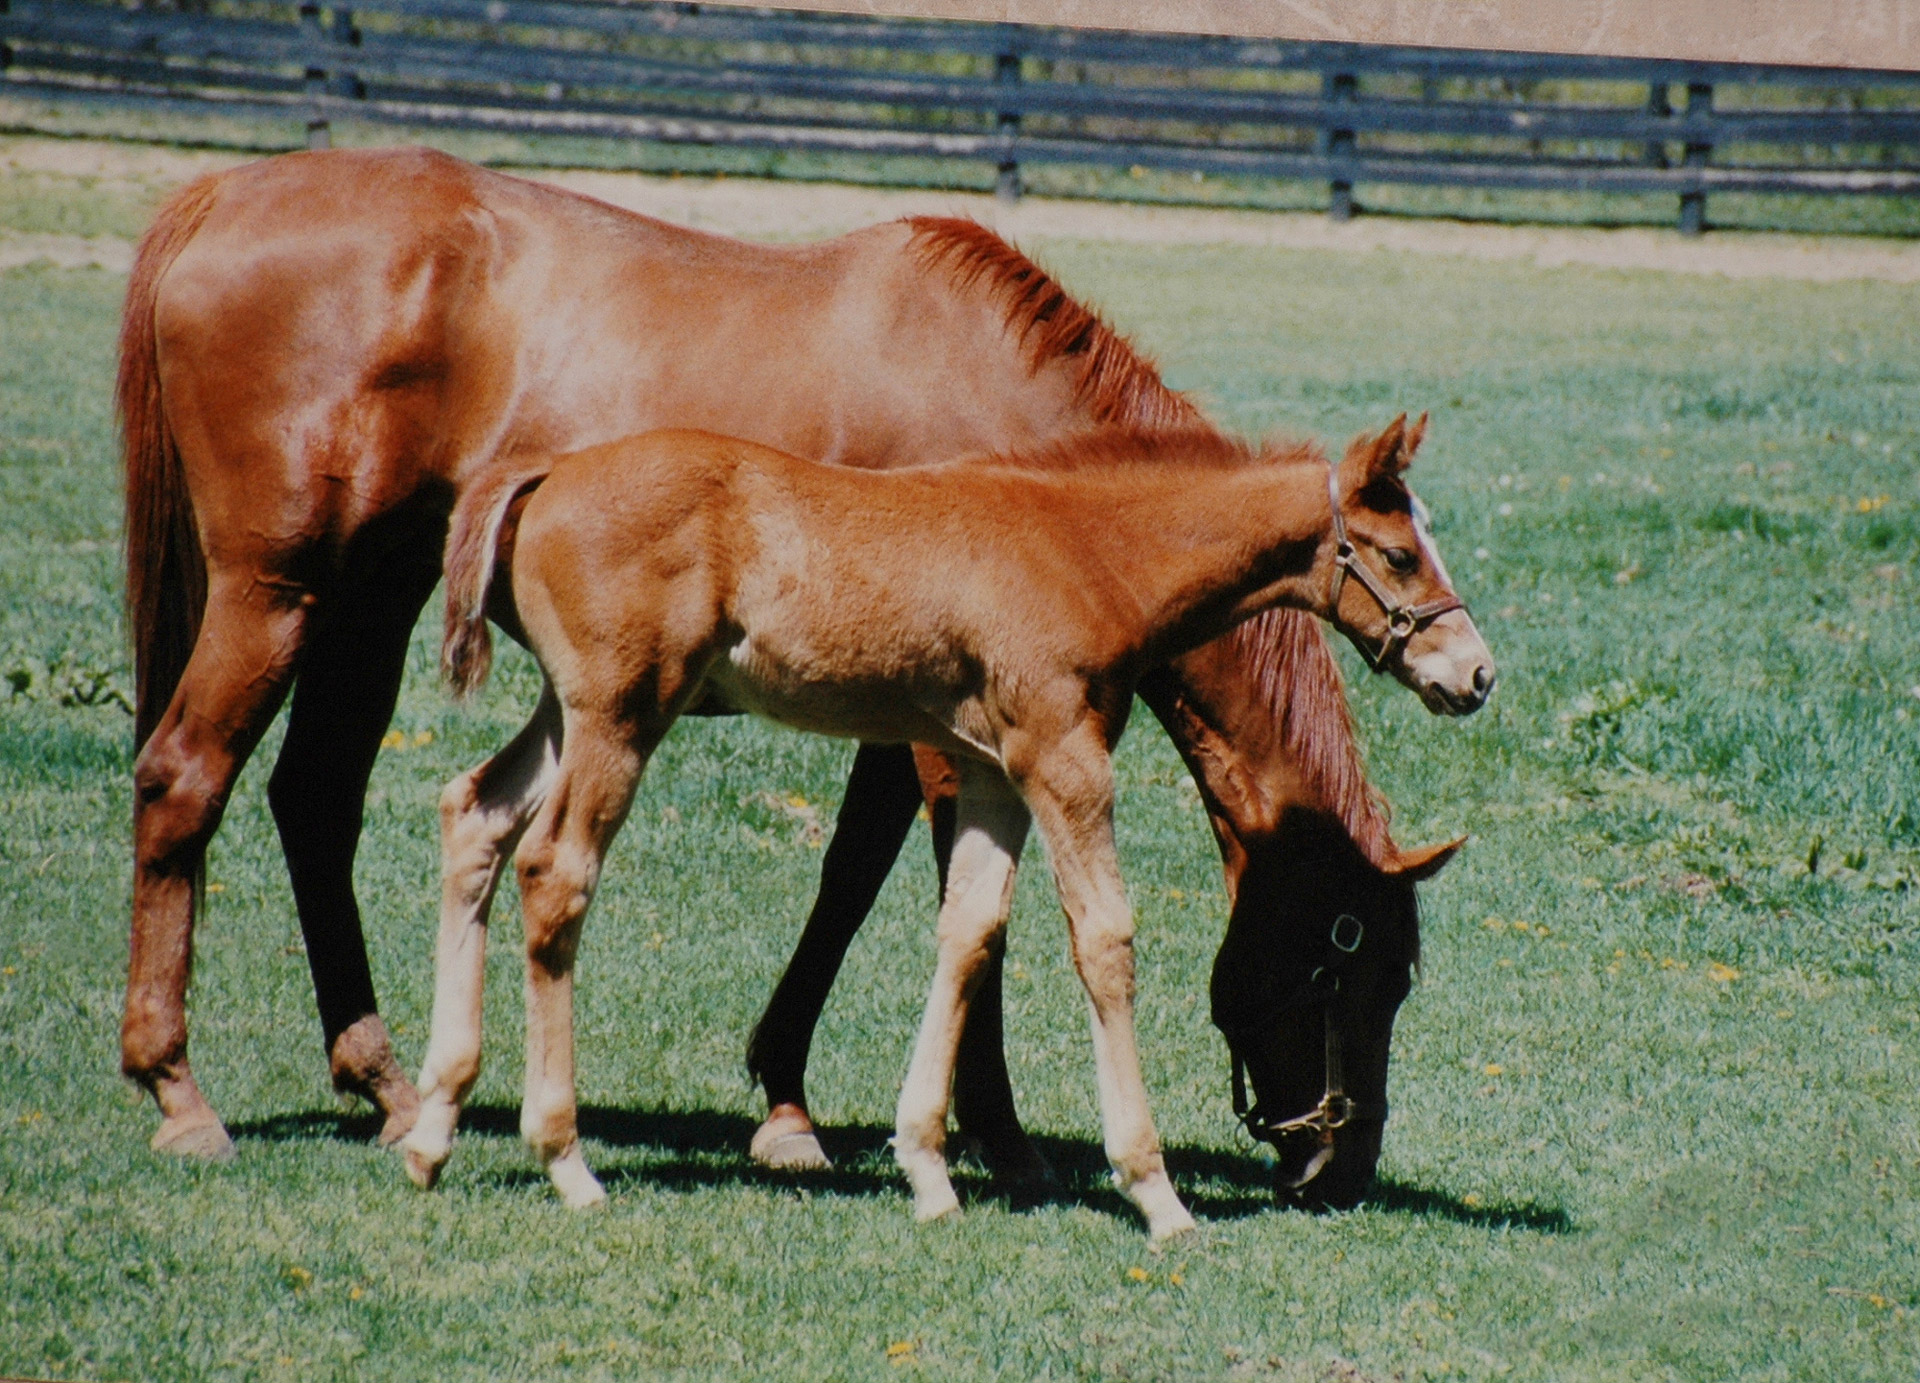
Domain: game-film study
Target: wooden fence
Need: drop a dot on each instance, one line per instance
(995, 94)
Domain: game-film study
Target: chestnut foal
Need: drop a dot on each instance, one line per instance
(646, 571)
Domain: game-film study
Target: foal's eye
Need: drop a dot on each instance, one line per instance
(1400, 559)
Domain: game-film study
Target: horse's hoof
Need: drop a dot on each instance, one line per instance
(363, 1065)
(792, 1151)
(197, 1135)
(1170, 1226)
(936, 1206)
(579, 1188)
(402, 1113)
(423, 1170)
(1015, 1165)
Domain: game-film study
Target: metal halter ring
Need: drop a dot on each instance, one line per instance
(1340, 925)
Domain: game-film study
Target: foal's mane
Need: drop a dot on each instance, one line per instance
(1122, 392)
(1157, 449)
(1112, 380)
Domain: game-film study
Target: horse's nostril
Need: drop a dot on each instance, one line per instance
(1483, 679)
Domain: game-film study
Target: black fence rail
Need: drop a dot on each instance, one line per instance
(998, 94)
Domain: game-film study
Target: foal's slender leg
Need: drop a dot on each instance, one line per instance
(482, 815)
(559, 864)
(875, 816)
(1070, 791)
(982, 1090)
(349, 682)
(990, 830)
(233, 683)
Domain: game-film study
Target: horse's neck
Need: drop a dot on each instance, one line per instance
(1198, 550)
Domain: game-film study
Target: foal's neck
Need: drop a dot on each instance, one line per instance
(1201, 548)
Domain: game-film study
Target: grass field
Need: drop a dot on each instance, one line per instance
(1655, 1110)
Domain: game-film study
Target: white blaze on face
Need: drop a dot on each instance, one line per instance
(1423, 530)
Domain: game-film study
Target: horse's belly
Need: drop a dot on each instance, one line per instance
(852, 706)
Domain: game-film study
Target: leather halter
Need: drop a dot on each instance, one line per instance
(1336, 1108)
(1403, 621)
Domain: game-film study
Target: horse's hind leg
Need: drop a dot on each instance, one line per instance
(991, 827)
(482, 815)
(875, 816)
(349, 681)
(233, 683)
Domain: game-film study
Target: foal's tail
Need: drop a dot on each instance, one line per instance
(166, 571)
(473, 553)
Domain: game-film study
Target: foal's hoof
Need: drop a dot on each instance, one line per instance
(786, 1142)
(579, 1188)
(423, 1170)
(194, 1135)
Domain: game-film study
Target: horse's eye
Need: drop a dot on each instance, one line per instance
(1401, 560)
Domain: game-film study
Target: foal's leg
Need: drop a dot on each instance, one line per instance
(349, 682)
(990, 829)
(232, 684)
(1070, 791)
(559, 865)
(482, 815)
(875, 816)
(982, 1090)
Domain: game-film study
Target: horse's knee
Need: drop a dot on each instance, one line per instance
(177, 805)
(554, 891)
(1104, 957)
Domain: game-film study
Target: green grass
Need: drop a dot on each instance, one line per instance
(1666, 1130)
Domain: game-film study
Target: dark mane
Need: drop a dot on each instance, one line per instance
(1112, 381)
(1121, 390)
(1300, 682)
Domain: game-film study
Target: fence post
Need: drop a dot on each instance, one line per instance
(1693, 205)
(1657, 105)
(1339, 89)
(1006, 72)
(319, 131)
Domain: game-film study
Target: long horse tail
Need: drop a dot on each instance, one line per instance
(473, 553)
(166, 570)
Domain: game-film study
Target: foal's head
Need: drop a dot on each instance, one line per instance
(1391, 593)
(1319, 954)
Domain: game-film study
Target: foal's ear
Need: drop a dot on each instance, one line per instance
(1385, 456)
(1423, 862)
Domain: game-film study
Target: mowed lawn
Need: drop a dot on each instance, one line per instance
(1655, 1113)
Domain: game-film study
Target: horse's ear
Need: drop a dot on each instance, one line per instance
(1380, 457)
(1415, 436)
(1422, 863)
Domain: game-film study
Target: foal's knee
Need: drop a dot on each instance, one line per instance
(1104, 957)
(555, 888)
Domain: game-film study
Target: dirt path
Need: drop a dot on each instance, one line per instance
(793, 210)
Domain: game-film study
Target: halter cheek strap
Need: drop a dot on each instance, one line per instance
(1403, 621)
(1336, 1108)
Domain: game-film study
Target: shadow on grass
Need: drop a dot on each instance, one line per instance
(692, 1149)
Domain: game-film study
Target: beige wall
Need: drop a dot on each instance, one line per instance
(1844, 33)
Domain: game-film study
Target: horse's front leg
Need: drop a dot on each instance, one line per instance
(559, 860)
(482, 816)
(1070, 791)
(990, 829)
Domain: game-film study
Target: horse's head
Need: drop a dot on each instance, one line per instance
(1319, 954)
(1390, 592)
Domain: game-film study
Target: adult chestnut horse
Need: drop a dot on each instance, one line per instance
(319, 350)
(1000, 611)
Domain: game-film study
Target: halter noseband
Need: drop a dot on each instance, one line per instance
(1336, 1108)
(1403, 621)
